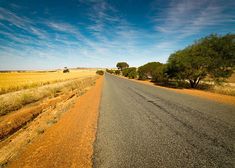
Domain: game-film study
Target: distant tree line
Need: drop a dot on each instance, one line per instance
(116, 72)
(210, 57)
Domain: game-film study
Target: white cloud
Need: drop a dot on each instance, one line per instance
(109, 36)
(20, 22)
(112, 40)
(188, 17)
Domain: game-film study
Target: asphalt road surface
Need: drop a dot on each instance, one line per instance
(145, 126)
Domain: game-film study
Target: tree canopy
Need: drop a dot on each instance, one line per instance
(130, 72)
(212, 56)
(147, 70)
(122, 65)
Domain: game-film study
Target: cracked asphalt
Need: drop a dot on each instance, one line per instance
(145, 126)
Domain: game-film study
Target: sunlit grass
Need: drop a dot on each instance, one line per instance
(16, 100)
(13, 81)
(226, 90)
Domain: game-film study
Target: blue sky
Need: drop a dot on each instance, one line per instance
(99, 33)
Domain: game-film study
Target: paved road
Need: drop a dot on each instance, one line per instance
(145, 126)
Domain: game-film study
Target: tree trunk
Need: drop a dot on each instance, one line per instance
(191, 83)
(194, 82)
(198, 80)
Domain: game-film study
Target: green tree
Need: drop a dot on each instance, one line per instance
(117, 72)
(189, 65)
(212, 56)
(146, 71)
(159, 74)
(130, 72)
(122, 65)
(220, 51)
(110, 71)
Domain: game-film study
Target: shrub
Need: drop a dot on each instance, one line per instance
(100, 72)
(125, 72)
(159, 74)
(146, 71)
(130, 72)
(117, 72)
(110, 71)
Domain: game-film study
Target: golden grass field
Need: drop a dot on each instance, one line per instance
(13, 81)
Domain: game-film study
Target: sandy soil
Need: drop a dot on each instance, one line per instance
(203, 94)
(17, 142)
(68, 143)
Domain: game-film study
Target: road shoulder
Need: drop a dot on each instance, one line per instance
(199, 93)
(69, 143)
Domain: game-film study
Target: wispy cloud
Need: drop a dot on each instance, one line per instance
(187, 17)
(111, 38)
(11, 17)
(111, 29)
(62, 27)
(102, 34)
(24, 23)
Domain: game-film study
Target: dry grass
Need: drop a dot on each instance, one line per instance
(225, 89)
(15, 100)
(13, 81)
(232, 79)
(13, 121)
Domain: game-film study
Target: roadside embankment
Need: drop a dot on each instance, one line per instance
(20, 128)
(69, 143)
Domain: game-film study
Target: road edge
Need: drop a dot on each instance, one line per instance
(87, 137)
(226, 99)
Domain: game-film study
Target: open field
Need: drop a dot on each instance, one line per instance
(26, 104)
(13, 81)
(13, 120)
(16, 100)
(18, 108)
